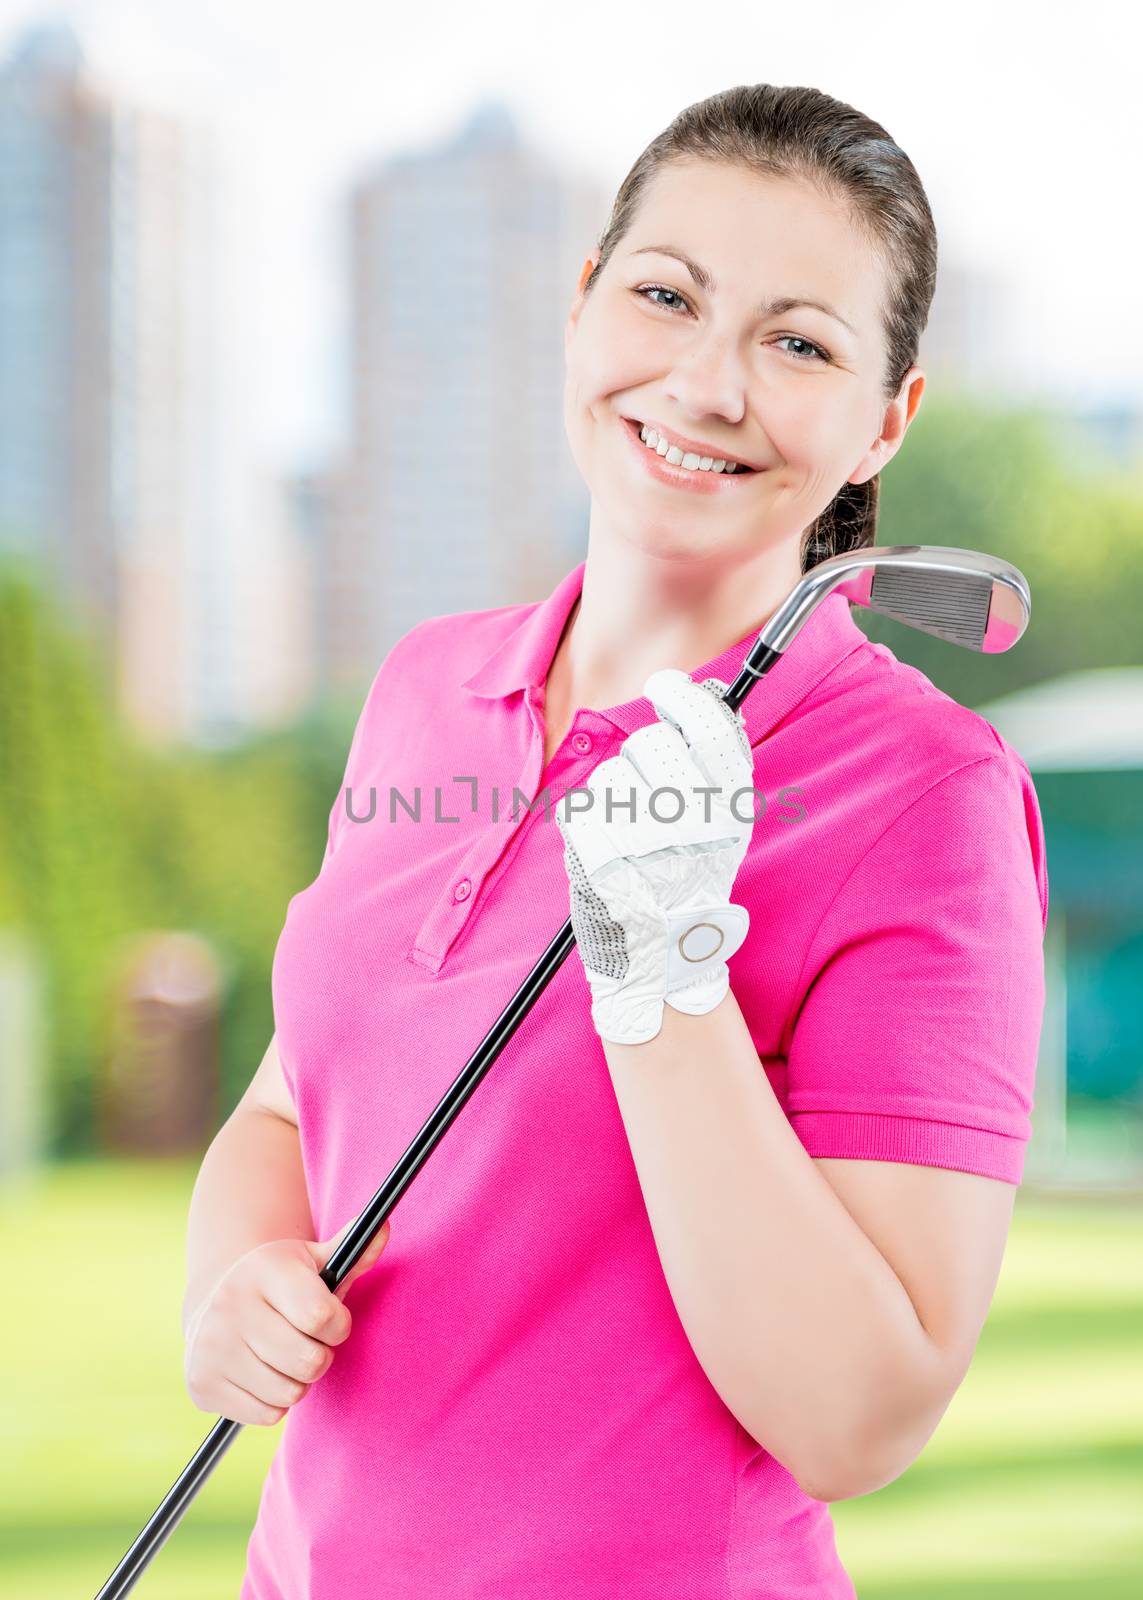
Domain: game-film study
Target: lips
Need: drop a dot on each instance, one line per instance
(690, 483)
(699, 448)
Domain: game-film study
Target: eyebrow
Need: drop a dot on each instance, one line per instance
(774, 307)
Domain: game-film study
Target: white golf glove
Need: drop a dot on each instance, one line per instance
(650, 899)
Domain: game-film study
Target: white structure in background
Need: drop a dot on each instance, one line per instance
(124, 466)
(1083, 721)
(1085, 728)
(460, 492)
(24, 1114)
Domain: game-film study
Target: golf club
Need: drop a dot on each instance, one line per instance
(967, 598)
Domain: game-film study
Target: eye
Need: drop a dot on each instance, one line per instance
(818, 353)
(658, 288)
(821, 354)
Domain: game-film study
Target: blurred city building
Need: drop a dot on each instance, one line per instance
(459, 491)
(968, 344)
(123, 471)
(1114, 429)
(316, 498)
(971, 346)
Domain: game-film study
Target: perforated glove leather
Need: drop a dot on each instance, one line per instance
(650, 898)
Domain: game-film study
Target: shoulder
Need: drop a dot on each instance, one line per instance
(425, 662)
(936, 784)
(902, 709)
(456, 641)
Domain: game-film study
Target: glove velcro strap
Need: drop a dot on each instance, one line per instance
(700, 939)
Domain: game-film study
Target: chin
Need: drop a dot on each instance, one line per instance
(673, 539)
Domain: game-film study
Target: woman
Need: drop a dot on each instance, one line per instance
(696, 1259)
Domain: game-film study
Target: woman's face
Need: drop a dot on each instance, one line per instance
(795, 392)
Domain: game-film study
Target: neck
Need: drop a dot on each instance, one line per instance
(638, 612)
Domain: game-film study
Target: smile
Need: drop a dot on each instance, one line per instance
(697, 478)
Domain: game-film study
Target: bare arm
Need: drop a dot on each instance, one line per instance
(251, 1187)
(834, 1305)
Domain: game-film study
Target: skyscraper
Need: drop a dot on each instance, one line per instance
(123, 471)
(461, 492)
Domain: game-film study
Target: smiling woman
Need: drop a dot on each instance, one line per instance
(802, 228)
(685, 1271)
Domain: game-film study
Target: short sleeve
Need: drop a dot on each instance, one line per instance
(923, 989)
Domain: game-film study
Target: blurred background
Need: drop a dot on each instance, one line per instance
(281, 366)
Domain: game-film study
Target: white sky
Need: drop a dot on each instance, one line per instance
(1023, 120)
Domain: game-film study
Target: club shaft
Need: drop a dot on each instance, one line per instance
(853, 574)
(178, 1498)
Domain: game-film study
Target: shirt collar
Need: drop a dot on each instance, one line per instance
(522, 660)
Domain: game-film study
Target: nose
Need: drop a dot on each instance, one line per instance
(708, 378)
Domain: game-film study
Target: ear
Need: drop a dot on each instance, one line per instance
(589, 267)
(898, 416)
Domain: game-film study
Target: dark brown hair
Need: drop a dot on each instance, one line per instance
(800, 133)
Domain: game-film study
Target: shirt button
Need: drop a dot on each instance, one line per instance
(462, 890)
(582, 743)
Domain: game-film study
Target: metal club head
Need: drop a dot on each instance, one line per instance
(962, 596)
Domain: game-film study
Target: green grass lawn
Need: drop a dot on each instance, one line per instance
(1032, 1485)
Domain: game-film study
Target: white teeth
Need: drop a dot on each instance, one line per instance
(691, 461)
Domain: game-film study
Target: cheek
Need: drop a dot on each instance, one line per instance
(616, 353)
(808, 431)
(579, 404)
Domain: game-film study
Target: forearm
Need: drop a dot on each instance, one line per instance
(251, 1188)
(800, 1323)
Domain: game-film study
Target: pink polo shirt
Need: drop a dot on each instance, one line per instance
(517, 1413)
